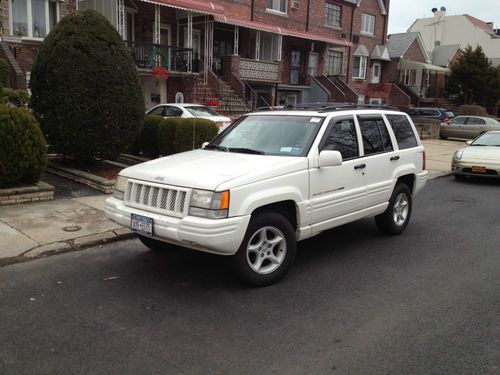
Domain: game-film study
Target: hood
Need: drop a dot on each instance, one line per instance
(486, 153)
(207, 169)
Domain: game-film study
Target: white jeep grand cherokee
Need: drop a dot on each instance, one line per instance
(272, 179)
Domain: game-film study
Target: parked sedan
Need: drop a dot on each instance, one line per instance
(187, 110)
(481, 158)
(468, 127)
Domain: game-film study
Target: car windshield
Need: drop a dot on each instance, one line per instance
(201, 111)
(271, 135)
(487, 139)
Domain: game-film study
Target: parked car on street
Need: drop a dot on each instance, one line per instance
(441, 114)
(481, 158)
(272, 179)
(187, 110)
(468, 127)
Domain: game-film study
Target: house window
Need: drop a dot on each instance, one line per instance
(277, 5)
(108, 8)
(334, 63)
(359, 68)
(409, 77)
(333, 15)
(367, 24)
(33, 18)
(270, 47)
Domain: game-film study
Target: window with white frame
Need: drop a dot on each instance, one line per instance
(334, 62)
(409, 77)
(359, 67)
(270, 46)
(33, 18)
(333, 15)
(277, 5)
(108, 8)
(367, 24)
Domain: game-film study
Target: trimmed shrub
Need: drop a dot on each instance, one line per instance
(4, 73)
(85, 88)
(17, 98)
(471, 110)
(147, 143)
(203, 130)
(23, 151)
(166, 135)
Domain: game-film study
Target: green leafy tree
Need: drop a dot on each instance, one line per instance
(475, 79)
(86, 92)
(4, 73)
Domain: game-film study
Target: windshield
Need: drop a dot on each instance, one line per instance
(487, 139)
(271, 135)
(201, 111)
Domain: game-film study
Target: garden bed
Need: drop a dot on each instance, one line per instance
(41, 191)
(100, 175)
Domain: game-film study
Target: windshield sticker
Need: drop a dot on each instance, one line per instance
(286, 149)
(296, 150)
(315, 119)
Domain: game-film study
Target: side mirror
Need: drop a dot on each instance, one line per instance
(469, 142)
(204, 144)
(329, 158)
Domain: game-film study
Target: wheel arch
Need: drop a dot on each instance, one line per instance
(288, 208)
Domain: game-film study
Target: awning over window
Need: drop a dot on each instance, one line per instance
(361, 50)
(280, 30)
(380, 53)
(193, 5)
(415, 65)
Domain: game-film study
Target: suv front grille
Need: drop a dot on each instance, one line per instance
(167, 200)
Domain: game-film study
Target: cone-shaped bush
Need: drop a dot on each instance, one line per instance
(23, 151)
(85, 89)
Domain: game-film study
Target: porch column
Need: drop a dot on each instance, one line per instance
(236, 40)
(190, 41)
(208, 50)
(156, 26)
(121, 18)
(257, 45)
(280, 46)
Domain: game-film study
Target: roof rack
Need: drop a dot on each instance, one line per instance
(326, 107)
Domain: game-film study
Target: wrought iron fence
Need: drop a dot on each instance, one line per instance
(149, 55)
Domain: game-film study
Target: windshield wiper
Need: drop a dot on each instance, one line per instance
(213, 146)
(244, 150)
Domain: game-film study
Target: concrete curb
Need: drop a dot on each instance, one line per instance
(77, 244)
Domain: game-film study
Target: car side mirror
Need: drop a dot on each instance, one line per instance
(204, 144)
(329, 158)
(469, 142)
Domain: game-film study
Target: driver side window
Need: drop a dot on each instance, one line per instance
(342, 137)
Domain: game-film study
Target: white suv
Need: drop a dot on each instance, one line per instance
(272, 179)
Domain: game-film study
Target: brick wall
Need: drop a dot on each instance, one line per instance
(414, 53)
(4, 17)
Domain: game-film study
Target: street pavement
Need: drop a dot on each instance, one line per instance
(36, 229)
(355, 302)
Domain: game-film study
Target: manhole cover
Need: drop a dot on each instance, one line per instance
(72, 228)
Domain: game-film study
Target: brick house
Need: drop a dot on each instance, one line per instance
(236, 54)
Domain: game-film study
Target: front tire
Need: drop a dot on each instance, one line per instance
(397, 215)
(267, 251)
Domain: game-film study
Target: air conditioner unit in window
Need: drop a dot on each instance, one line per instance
(295, 4)
(343, 35)
(355, 39)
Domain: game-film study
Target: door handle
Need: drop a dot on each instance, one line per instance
(394, 158)
(360, 166)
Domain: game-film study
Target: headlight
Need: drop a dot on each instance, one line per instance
(209, 204)
(458, 155)
(120, 185)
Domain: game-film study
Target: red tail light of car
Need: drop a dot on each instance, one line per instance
(446, 120)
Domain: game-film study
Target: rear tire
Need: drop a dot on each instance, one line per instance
(155, 245)
(397, 215)
(267, 251)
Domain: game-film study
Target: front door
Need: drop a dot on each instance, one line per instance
(340, 190)
(376, 72)
(295, 68)
(166, 42)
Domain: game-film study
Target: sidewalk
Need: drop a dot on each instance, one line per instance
(36, 229)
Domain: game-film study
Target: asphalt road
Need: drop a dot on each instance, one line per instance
(355, 302)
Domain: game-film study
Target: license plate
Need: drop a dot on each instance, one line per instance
(142, 224)
(478, 170)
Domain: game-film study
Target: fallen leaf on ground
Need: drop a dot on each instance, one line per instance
(111, 278)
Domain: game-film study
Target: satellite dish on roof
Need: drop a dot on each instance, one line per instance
(437, 43)
(443, 9)
(434, 10)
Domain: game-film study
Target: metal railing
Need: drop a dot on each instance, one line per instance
(149, 55)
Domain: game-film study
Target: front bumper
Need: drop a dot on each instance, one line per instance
(420, 181)
(222, 236)
(464, 168)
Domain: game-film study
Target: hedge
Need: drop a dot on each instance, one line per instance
(472, 110)
(23, 151)
(4, 73)
(173, 135)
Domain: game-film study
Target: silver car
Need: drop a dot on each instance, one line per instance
(468, 127)
(481, 158)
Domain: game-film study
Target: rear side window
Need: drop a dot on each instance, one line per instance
(475, 121)
(375, 135)
(403, 131)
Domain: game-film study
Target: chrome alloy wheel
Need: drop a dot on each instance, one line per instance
(266, 250)
(400, 210)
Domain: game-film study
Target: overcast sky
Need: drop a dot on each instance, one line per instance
(403, 13)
